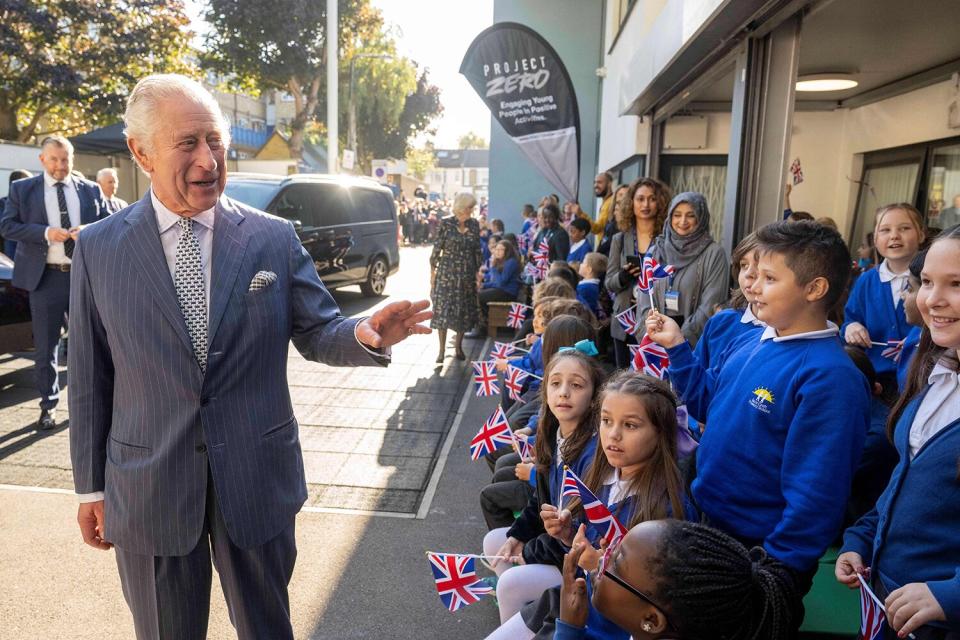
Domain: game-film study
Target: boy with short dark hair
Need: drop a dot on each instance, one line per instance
(592, 270)
(580, 244)
(787, 411)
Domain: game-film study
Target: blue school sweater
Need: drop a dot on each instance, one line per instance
(507, 278)
(531, 363)
(588, 293)
(577, 255)
(786, 424)
(912, 534)
(906, 356)
(871, 304)
(722, 329)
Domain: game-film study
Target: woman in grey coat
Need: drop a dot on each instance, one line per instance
(640, 217)
(701, 279)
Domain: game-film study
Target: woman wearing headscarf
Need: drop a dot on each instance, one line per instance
(700, 280)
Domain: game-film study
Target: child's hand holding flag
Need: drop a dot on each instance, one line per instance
(663, 330)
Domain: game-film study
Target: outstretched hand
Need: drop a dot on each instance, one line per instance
(393, 323)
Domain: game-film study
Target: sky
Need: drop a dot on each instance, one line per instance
(435, 34)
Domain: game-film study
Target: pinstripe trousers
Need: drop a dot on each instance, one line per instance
(169, 596)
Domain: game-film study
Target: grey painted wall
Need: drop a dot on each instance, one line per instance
(575, 29)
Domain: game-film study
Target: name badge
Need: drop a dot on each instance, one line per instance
(672, 299)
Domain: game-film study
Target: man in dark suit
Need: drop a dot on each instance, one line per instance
(9, 247)
(109, 182)
(43, 215)
(182, 432)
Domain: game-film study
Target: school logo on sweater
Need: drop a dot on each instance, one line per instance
(762, 399)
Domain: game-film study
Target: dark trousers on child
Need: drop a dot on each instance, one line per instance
(486, 296)
(505, 494)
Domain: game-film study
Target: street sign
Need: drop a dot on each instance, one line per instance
(348, 159)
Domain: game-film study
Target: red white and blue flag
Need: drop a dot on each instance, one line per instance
(602, 524)
(501, 350)
(542, 254)
(873, 620)
(485, 377)
(513, 381)
(494, 434)
(650, 358)
(894, 350)
(456, 580)
(651, 272)
(628, 320)
(516, 315)
(524, 447)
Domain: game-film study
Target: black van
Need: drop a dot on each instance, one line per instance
(348, 225)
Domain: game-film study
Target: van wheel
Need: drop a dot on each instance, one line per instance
(376, 279)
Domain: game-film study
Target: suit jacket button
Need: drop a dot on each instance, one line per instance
(201, 448)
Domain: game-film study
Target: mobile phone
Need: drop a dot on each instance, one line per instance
(633, 260)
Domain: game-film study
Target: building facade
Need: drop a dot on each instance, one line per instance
(457, 170)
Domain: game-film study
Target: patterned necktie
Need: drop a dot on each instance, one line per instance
(188, 280)
(68, 244)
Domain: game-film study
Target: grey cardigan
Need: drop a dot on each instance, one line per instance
(624, 244)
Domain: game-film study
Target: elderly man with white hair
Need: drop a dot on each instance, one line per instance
(109, 182)
(182, 434)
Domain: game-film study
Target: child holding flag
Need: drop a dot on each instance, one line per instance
(787, 410)
(874, 314)
(908, 546)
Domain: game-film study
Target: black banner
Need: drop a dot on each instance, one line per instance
(528, 90)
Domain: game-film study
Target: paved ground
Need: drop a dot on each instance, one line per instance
(371, 440)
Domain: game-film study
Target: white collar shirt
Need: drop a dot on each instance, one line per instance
(619, 489)
(771, 333)
(55, 252)
(749, 318)
(170, 234)
(898, 281)
(939, 409)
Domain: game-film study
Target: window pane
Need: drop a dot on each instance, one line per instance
(882, 186)
(943, 191)
(711, 181)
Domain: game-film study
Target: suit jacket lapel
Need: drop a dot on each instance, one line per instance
(37, 202)
(144, 239)
(229, 246)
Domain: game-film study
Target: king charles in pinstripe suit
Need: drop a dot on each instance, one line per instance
(180, 451)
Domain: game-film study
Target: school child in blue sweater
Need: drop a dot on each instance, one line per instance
(914, 319)
(909, 546)
(874, 310)
(566, 436)
(592, 269)
(726, 325)
(634, 472)
(580, 242)
(787, 411)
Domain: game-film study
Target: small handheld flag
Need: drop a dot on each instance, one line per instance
(872, 616)
(894, 350)
(524, 447)
(501, 350)
(494, 434)
(513, 381)
(542, 254)
(594, 510)
(516, 315)
(485, 377)
(796, 171)
(651, 272)
(628, 320)
(456, 580)
(650, 358)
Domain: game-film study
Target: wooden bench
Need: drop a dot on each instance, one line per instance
(497, 317)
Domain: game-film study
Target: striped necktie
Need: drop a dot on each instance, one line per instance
(68, 244)
(191, 292)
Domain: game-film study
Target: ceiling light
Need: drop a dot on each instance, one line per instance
(826, 82)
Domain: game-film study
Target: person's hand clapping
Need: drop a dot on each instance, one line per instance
(590, 558)
(663, 330)
(573, 591)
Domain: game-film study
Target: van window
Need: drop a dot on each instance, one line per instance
(371, 206)
(296, 202)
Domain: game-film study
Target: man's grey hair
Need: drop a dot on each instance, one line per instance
(107, 171)
(140, 118)
(56, 141)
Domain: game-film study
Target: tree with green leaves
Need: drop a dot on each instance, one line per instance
(68, 66)
(420, 162)
(472, 140)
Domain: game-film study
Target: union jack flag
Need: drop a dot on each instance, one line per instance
(651, 272)
(501, 350)
(628, 320)
(485, 377)
(456, 580)
(872, 617)
(516, 315)
(494, 434)
(649, 358)
(524, 447)
(894, 350)
(513, 381)
(523, 243)
(542, 254)
(594, 510)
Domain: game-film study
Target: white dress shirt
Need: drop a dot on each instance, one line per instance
(167, 224)
(55, 252)
(940, 407)
(897, 281)
(831, 330)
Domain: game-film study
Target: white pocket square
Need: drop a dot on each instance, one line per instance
(262, 280)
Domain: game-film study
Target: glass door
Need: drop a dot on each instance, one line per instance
(706, 174)
(943, 187)
(883, 183)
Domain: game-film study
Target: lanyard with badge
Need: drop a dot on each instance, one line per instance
(672, 297)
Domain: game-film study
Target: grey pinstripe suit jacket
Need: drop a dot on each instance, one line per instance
(140, 408)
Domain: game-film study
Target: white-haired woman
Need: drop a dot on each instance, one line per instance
(454, 264)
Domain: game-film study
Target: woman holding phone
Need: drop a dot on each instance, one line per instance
(640, 218)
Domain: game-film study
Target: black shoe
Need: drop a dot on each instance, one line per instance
(48, 419)
(473, 335)
(460, 355)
